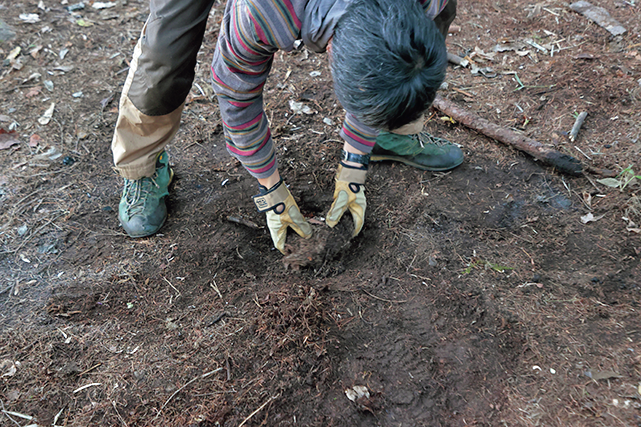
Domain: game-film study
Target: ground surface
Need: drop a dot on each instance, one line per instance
(473, 297)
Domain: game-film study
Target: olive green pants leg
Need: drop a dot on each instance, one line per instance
(160, 76)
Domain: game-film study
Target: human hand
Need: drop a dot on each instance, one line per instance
(282, 212)
(349, 193)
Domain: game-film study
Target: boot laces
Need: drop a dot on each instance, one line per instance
(136, 193)
(425, 138)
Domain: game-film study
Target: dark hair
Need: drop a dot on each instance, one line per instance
(388, 59)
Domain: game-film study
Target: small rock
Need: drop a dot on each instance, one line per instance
(68, 161)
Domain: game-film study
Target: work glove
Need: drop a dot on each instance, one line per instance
(282, 212)
(349, 193)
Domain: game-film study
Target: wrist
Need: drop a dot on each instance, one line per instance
(354, 159)
(270, 181)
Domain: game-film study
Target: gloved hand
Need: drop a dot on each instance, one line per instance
(349, 193)
(282, 212)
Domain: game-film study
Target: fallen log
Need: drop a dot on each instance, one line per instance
(562, 162)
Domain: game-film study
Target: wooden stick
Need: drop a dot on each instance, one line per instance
(188, 382)
(256, 411)
(577, 125)
(563, 162)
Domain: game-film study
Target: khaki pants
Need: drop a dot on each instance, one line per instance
(160, 77)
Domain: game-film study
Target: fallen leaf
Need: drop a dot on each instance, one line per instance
(590, 218)
(16, 64)
(300, 108)
(8, 367)
(7, 139)
(51, 154)
(598, 15)
(34, 91)
(357, 392)
(104, 102)
(46, 117)
(30, 18)
(84, 23)
(14, 53)
(610, 182)
(64, 68)
(34, 52)
(101, 5)
(34, 140)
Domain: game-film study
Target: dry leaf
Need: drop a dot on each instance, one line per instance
(8, 367)
(34, 91)
(7, 139)
(14, 53)
(46, 117)
(357, 392)
(34, 140)
(29, 18)
(590, 218)
(300, 108)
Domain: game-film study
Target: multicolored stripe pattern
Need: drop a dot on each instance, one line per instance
(433, 7)
(251, 33)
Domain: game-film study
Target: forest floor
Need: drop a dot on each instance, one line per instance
(499, 293)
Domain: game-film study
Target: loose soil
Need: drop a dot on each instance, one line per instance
(473, 297)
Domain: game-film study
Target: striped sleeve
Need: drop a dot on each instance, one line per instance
(433, 7)
(357, 134)
(251, 32)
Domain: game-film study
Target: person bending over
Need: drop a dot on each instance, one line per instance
(387, 59)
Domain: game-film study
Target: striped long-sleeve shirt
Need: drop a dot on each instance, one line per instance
(252, 32)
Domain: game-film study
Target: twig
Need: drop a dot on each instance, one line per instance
(602, 172)
(244, 222)
(55, 419)
(113, 402)
(562, 162)
(189, 382)
(463, 92)
(79, 389)
(457, 60)
(18, 414)
(581, 151)
(383, 299)
(5, 414)
(89, 370)
(170, 284)
(577, 125)
(256, 411)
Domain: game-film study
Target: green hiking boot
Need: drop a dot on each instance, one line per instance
(422, 151)
(142, 210)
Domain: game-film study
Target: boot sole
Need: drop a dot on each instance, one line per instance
(405, 160)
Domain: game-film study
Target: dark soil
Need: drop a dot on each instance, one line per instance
(473, 297)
